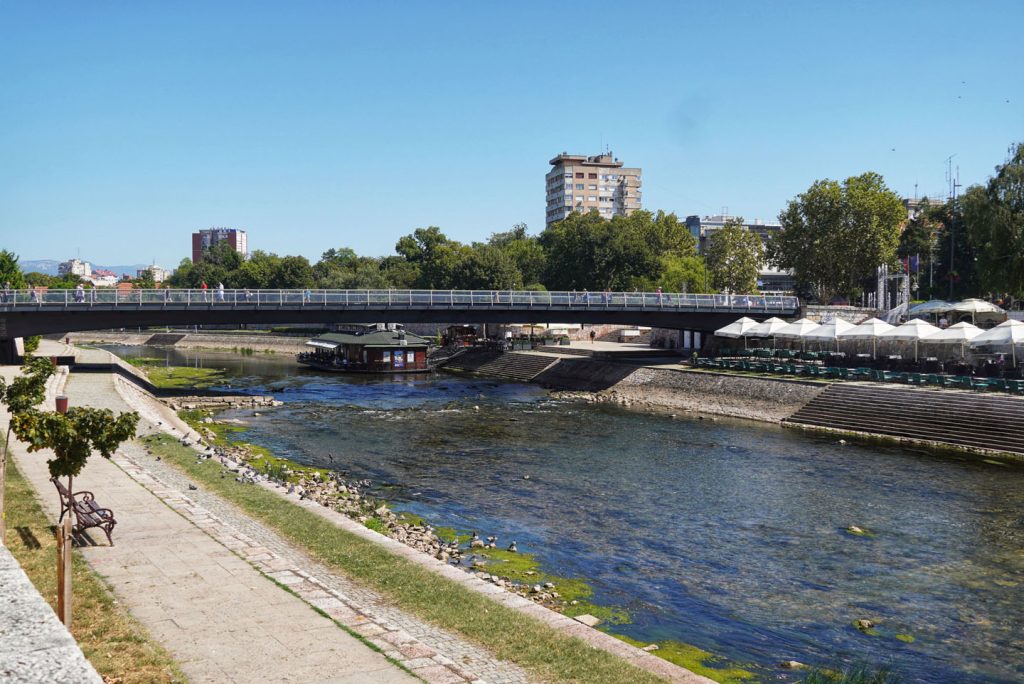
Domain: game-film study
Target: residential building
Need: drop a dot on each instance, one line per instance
(600, 183)
(159, 274)
(704, 228)
(82, 269)
(915, 207)
(205, 239)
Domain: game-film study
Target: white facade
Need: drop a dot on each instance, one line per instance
(82, 269)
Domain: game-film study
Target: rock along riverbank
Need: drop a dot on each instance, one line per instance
(675, 388)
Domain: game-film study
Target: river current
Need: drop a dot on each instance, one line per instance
(727, 535)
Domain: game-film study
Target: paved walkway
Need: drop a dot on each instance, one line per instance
(220, 618)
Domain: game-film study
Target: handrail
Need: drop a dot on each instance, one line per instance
(39, 298)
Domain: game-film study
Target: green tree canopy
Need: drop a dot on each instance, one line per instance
(10, 272)
(835, 234)
(735, 256)
(994, 218)
(73, 436)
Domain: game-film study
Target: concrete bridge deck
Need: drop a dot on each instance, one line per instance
(34, 311)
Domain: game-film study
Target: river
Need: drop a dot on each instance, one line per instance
(724, 534)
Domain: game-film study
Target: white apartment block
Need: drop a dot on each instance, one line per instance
(580, 183)
(159, 274)
(82, 269)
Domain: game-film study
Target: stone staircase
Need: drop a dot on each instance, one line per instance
(962, 418)
(564, 350)
(507, 365)
(165, 339)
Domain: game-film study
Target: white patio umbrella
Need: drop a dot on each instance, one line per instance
(913, 330)
(797, 330)
(961, 334)
(868, 330)
(767, 328)
(828, 332)
(1009, 332)
(975, 307)
(737, 329)
(930, 307)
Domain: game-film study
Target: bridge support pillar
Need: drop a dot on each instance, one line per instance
(10, 351)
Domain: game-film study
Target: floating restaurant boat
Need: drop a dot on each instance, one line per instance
(371, 348)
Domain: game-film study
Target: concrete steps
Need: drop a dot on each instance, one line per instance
(165, 339)
(507, 365)
(564, 350)
(961, 418)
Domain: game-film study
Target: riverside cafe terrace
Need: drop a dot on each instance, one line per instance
(916, 352)
(368, 349)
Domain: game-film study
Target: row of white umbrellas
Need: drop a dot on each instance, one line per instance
(1011, 332)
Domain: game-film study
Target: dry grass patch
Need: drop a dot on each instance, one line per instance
(116, 644)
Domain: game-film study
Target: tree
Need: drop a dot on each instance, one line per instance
(835, 235)
(994, 220)
(10, 272)
(525, 250)
(487, 268)
(22, 394)
(73, 436)
(146, 281)
(290, 273)
(586, 251)
(735, 256)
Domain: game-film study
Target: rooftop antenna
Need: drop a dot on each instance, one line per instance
(915, 192)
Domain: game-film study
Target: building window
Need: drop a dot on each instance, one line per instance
(593, 176)
(568, 175)
(579, 186)
(591, 199)
(579, 175)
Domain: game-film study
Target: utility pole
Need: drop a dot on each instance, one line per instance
(954, 184)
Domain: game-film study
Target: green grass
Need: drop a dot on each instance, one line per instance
(116, 644)
(177, 377)
(547, 653)
(262, 459)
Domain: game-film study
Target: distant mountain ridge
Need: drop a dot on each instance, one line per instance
(50, 267)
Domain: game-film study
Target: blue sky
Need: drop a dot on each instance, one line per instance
(124, 126)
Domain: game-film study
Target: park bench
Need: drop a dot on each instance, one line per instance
(87, 512)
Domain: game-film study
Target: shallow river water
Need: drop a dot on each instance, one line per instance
(723, 534)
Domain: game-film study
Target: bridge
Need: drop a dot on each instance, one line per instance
(35, 312)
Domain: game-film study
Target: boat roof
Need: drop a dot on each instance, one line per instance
(369, 338)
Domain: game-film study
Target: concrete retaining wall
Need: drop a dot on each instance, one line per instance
(283, 344)
(764, 399)
(34, 645)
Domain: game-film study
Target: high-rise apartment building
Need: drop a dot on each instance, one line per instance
(204, 239)
(580, 183)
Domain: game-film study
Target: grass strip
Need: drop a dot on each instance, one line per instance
(116, 644)
(545, 652)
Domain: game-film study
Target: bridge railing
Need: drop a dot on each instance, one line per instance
(518, 299)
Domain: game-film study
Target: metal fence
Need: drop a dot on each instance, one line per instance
(490, 299)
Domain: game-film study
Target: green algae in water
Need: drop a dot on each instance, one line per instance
(524, 568)
(905, 638)
(697, 660)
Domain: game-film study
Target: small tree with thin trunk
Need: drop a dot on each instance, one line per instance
(22, 394)
(73, 436)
